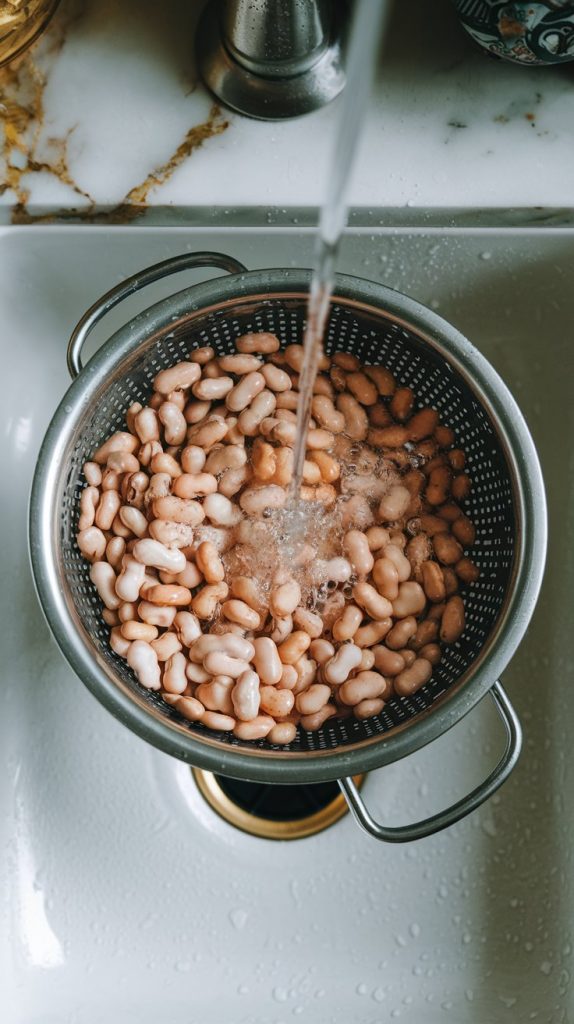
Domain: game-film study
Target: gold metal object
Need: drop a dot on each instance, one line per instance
(266, 828)
(21, 22)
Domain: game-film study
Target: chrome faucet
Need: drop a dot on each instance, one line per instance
(272, 59)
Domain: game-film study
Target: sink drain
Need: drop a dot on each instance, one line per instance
(273, 812)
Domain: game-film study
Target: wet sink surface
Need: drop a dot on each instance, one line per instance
(126, 898)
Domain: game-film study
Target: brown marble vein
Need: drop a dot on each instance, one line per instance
(26, 150)
(22, 114)
(135, 201)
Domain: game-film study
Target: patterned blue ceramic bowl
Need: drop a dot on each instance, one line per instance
(538, 32)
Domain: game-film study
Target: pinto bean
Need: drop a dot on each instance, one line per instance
(411, 679)
(453, 620)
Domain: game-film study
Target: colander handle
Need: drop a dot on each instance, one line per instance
(134, 284)
(428, 827)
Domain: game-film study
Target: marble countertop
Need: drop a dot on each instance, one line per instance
(104, 120)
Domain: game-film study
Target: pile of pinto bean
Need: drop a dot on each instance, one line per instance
(235, 630)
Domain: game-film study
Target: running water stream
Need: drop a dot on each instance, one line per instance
(369, 19)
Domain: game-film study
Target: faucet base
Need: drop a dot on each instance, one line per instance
(258, 95)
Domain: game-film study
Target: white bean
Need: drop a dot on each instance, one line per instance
(220, 664)
(135, 520)
(187, 628)
(103, 577)
(267, 661)
(256, 729)
(255, 500)
(220, 510)
(92, 543)
(174, 679)
(245, 696)
(152, 552)
(339, 667)
(179, 377)
(130, 579)
(174, 423)
(142, 659)
(228, 643)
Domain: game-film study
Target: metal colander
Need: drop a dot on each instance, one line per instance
(378, 326)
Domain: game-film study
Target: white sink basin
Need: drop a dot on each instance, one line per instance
(127, 898)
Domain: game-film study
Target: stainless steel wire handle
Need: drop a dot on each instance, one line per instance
(437, 822)
(134, 284)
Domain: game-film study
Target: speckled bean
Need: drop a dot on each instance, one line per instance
(294, 647)
(277, 702)
(171, 534)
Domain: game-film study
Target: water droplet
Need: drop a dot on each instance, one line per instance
(489, 827)
(486, 255)
(414, 929)
(508, 1001)
(379, 995)
(361, 989)
(238, 918)
(546, 967)
(279, 994)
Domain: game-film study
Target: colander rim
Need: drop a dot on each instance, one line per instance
(530, 506)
